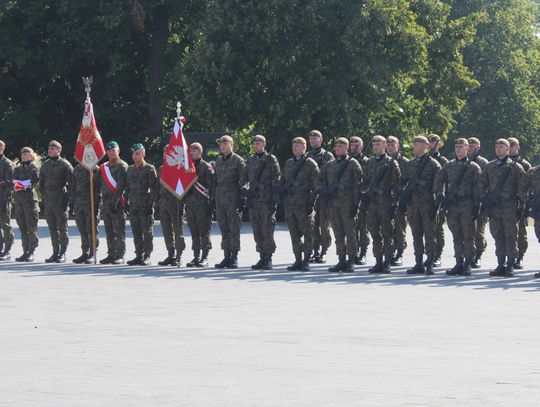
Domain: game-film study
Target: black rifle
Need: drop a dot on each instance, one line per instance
(405, 197)
(330, 191)
(375, 187)
(492, 199)
(291, 182)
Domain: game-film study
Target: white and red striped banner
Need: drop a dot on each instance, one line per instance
(109, 180)
(89, 149)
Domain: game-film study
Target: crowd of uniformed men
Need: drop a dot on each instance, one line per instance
(357, 196)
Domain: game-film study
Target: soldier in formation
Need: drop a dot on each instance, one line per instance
(6, 188)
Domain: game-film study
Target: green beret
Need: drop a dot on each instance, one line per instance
(136, 146)
(111, 144)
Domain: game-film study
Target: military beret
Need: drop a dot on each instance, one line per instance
(2, 144)
(258, 137)
(376, 139)
(111, 144)
(315, 133)
(355, 139)
(54, 143)
(434, 137)
(461, 141)
(27, 150)
(513, 141)
(420, 139)
(136, 146)
(342, 140)
(299, 140)
(226, 139)
(196, 146)
(502, 141)
(392, 139)
(474, 140)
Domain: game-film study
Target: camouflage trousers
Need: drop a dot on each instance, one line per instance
(300, 224)
(480, 242)
(83, 219)
(439, 233)
(142, 227)
(344, 227)
(362, 234)
(263, 222)
(381, 226)
(229, 221)
(27, 215)
(57, 221)
(6, 234)
(199, 221)
(171, 213)
(321, 226)
(462, 226)
(523, 244)
(504, 229)
(399, 236)
(423, 228)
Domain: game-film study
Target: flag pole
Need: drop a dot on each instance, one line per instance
(88, 88)
(178, 220)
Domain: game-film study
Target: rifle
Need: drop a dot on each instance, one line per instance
(330, 191)
(492, 199)
(286, 188)
(405, 196)
(375, 187)
(451, 197)
(253, 190)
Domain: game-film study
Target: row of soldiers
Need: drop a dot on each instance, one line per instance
(356, 196)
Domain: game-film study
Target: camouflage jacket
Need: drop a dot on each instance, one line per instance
(441, 159)
(55, 179)
(424, 183)
(207, 179)
(266, 188)
(521, 160)
(481, 161)
(385, 190)
(299, 190)
(118, 171)
(80, 188)
(6, 176)
(362, 160)
(511, 192)
(467, 190)
(320, 156)
(230, 178)
(26, 171)
(141, 185)
(347, 188)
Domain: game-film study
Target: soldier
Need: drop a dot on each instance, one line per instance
(230, 179)
(321, 234)
(6, 177)
(263, 174)
(522, 221)
(25, 200)
(199, 209)
(531, 189)
(501, 189)
(171, 214)
(79, 207)
(54, 183)
(399, 236)
(111, 183)
(456, 186)
(435, 145)
(341, 181)
(357, 146)
(480, 242)
(381, 182)
(298, 192)
(140, 193)
(418, 200)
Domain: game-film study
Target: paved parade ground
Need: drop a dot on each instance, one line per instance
(152, 336)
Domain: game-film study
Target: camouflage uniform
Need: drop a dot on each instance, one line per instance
(441, 219)
(503, 217)
(6, 235)
(54, 183)
(480, 242)
(421, 212)
(382, 181)
(230, 179)
(80, 205)
(171, 214)
(140, 193)
(399, 237)
(461, 210)
(199, 213)
(321, 231)
(261, 200)
(343, 207)
(361, 227)
(26, 207)
(112, 211)
(531, 187)
(522, 222)
(298, 197)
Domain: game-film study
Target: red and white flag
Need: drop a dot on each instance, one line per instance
(178, 173)
(89, 149)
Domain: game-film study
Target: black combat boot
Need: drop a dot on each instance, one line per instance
(457, 269)
(204, 259)
(225, 262)
(146, 261)
(117, 260)
(61, 258)
(477, 262)
(466, 271)
(360, 258)
(258, 265)
(81, 259)
(340, 266)
(107, 260)
(304, 264)
(386, 269)
(196, 259)
(233, 262)
(500, 270)
(418, 267)
(22, 258)
(90, 258)
(518, 265)
(6, 254)
(136, 261)
(297, 265)
(314, 256)
(378, 267)
(397, 260)
(322, 257)
(169, 260)
(29, 257)
(267, 263)
(177, 262)
(52, 259)
(429, 266)
(510, 265)
(349, 265)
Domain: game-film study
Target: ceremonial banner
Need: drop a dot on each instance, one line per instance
(89, 149)
(178, 173)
